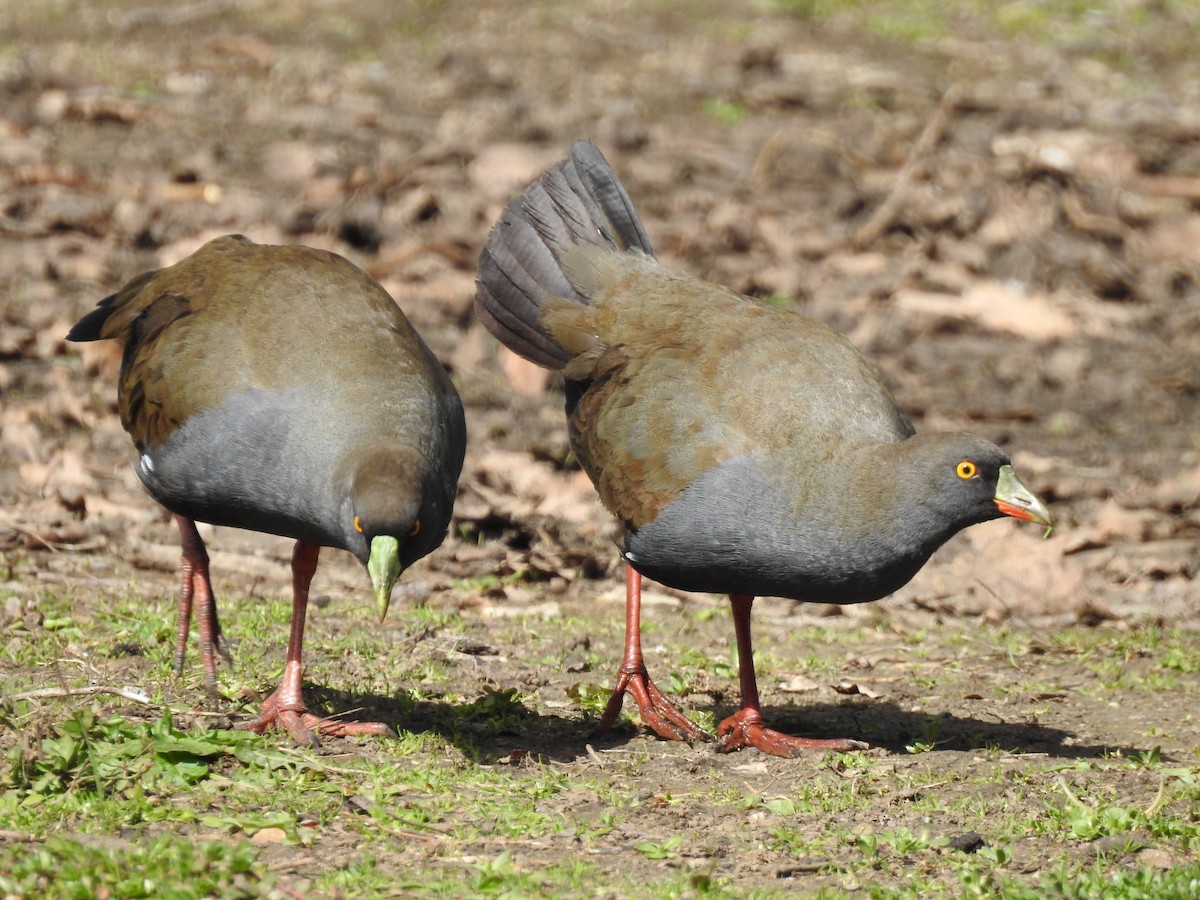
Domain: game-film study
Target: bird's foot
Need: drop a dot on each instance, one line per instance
(745, 728)
(658, 713)
(294, 718)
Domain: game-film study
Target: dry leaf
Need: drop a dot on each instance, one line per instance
(269, 836)
(798, 684)
(994, 305)
(850, 687)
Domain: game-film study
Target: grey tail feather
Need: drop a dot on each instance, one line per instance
(577, 201)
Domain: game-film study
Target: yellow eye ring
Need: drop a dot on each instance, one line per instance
(358, 524)
(966, 469)
(416, 529)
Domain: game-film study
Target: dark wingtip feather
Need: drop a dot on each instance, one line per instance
(92, 326)
(89, 328)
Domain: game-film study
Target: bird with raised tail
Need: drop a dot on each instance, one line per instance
(281, 389)
(744, 449)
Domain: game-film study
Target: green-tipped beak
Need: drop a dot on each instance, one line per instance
(384, 568)
(1014, 499)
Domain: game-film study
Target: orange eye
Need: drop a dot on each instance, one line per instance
(966, 469)
(358, 524)
(416, 529)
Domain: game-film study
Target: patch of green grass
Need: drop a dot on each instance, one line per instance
(592, 698)
(780, 300)
(912, 20)
(398, 798)
(1179, 659)
(690, 656)
(438, 812)
(362, 877)
(1171, 816)
(728, 112)
(820, 795)
(1097, 880)
(100, 773)
(165, 866)
(487, 582)
(107, 775)
(898, 842)
(510, 874)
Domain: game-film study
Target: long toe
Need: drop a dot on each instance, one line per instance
(657, 712)
(348, 729)
(304, 727)
(745, 729)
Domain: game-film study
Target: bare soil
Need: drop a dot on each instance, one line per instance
(1007, 227)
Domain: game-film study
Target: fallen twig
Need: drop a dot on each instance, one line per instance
(19, 837)
(55, 693)
(1160, 799)
(79, 546)
(885, 214)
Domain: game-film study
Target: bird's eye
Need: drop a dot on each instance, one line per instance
(358, 524)
(416, 529)
(966, 469)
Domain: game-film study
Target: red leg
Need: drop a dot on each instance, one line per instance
(657, 712)
(195, 584)
(285, 708)
(745, 727)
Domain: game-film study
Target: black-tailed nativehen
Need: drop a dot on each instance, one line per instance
(744, 449)
(280, 389)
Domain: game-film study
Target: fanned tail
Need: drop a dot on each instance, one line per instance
(577, 202)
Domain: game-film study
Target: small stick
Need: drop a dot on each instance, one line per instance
(885, 214)
(19, 837)
(1156, 807)
(48, 693)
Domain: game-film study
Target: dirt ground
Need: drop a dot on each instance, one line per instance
(1007, 227)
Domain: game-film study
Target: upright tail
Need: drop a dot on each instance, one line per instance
(579, 201)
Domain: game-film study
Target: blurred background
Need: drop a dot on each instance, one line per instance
(997, 202)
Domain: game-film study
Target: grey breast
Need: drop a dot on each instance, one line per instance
(734, 530)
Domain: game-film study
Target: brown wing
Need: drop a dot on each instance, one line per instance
(151, 317)
(236, 316)
(677, 375)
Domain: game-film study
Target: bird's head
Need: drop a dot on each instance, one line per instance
(396, 516)
(966, 479)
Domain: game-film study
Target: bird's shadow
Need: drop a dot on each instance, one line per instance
(887, 726)
(488, 727)
(498, 722)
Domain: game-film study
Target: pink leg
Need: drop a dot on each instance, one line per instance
(657, 712)
(195, 584)
(285, 708)
(745, 727)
